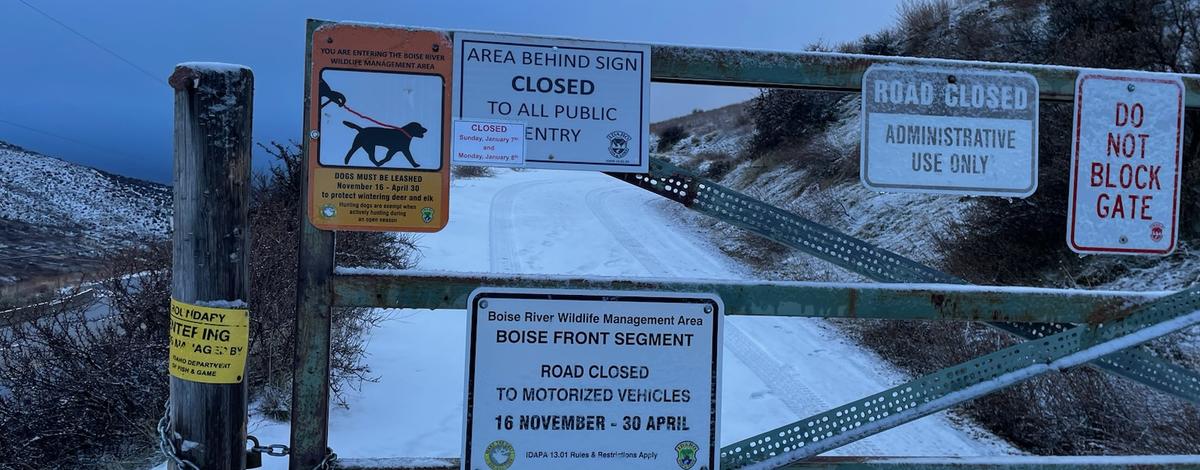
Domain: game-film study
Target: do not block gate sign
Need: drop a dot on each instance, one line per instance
(1126, 167)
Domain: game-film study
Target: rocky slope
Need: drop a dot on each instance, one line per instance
(56, 217)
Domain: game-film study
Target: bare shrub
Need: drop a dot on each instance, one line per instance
(84, 386)
(782, 117)
(1081, 411)
(274, 226)
(471, 171)
(669, 137)
(85, 383)
(711, 164)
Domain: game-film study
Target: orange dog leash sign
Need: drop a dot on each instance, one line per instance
(377, 120)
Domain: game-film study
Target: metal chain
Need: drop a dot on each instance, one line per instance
(166, 446)
(326, 464)
(282, 450)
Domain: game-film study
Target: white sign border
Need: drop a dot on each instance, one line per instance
(597, 294)
(643, 165)
(1076, 128)
(946, 190)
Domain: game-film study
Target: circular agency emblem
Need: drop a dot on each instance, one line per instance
(685, 454)
(328, 211)
(499, 455)
(427, 214)
(618, 144)
(1156, 231)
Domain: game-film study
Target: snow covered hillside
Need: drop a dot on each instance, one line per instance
(56, 215)
(777, 370)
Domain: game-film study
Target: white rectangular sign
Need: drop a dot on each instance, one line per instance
(949, 131)
(1126, 164)
(585, 104)
(592, 380)
(485, 143)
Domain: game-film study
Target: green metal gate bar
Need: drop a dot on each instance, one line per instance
(870, 261)
(953, 385)
(319, 288)
(442, 290)
(831, 71)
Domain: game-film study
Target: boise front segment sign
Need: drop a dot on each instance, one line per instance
(592, 380)
(949, 131)
(584, 105)
(1126, 167)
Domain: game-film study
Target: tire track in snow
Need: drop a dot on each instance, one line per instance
(780, 378)
(501, 238)
(596, 202)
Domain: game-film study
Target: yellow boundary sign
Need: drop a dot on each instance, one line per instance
(379, 129)
(209, 344)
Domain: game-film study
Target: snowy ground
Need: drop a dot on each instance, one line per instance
(777, 370)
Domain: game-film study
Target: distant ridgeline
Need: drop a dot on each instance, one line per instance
(57, 217)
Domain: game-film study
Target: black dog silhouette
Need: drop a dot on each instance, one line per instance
(334, 97)
(393, 139)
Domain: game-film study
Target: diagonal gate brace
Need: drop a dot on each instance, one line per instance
(951, 386)
(870, 261)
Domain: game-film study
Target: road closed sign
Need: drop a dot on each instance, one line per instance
(949, 131)
(592, 380)
(378, 118)
(583, 105)
(1126, 163)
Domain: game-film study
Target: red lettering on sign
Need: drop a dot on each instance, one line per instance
(1127, 114)
(1118, 200)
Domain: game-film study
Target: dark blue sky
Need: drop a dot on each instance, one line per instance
(108, 114)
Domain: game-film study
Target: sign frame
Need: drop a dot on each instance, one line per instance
(432, 212)
(952, 75)
(557, 44)
(1072, 200)
(716, 370)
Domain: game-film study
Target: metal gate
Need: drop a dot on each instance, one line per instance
(1061, 329)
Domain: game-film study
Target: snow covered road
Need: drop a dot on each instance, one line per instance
(777, 370)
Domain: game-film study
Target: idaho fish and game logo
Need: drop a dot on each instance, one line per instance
(685, 454)
(328, 211)
(1156, 231)
(427, 214)
(499, 455)
(618, 144)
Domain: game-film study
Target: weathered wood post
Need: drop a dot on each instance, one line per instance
(211, 244)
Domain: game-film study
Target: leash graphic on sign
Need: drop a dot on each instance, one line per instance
(393, 138)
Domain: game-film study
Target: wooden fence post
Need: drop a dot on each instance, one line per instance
(211, 244)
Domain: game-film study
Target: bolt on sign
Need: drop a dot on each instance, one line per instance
(949, 131)
(378, 118)
(1126, 163)
(586, 379)
(208, 344)
(584, 104)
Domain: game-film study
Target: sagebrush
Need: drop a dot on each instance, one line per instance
(85, 385)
